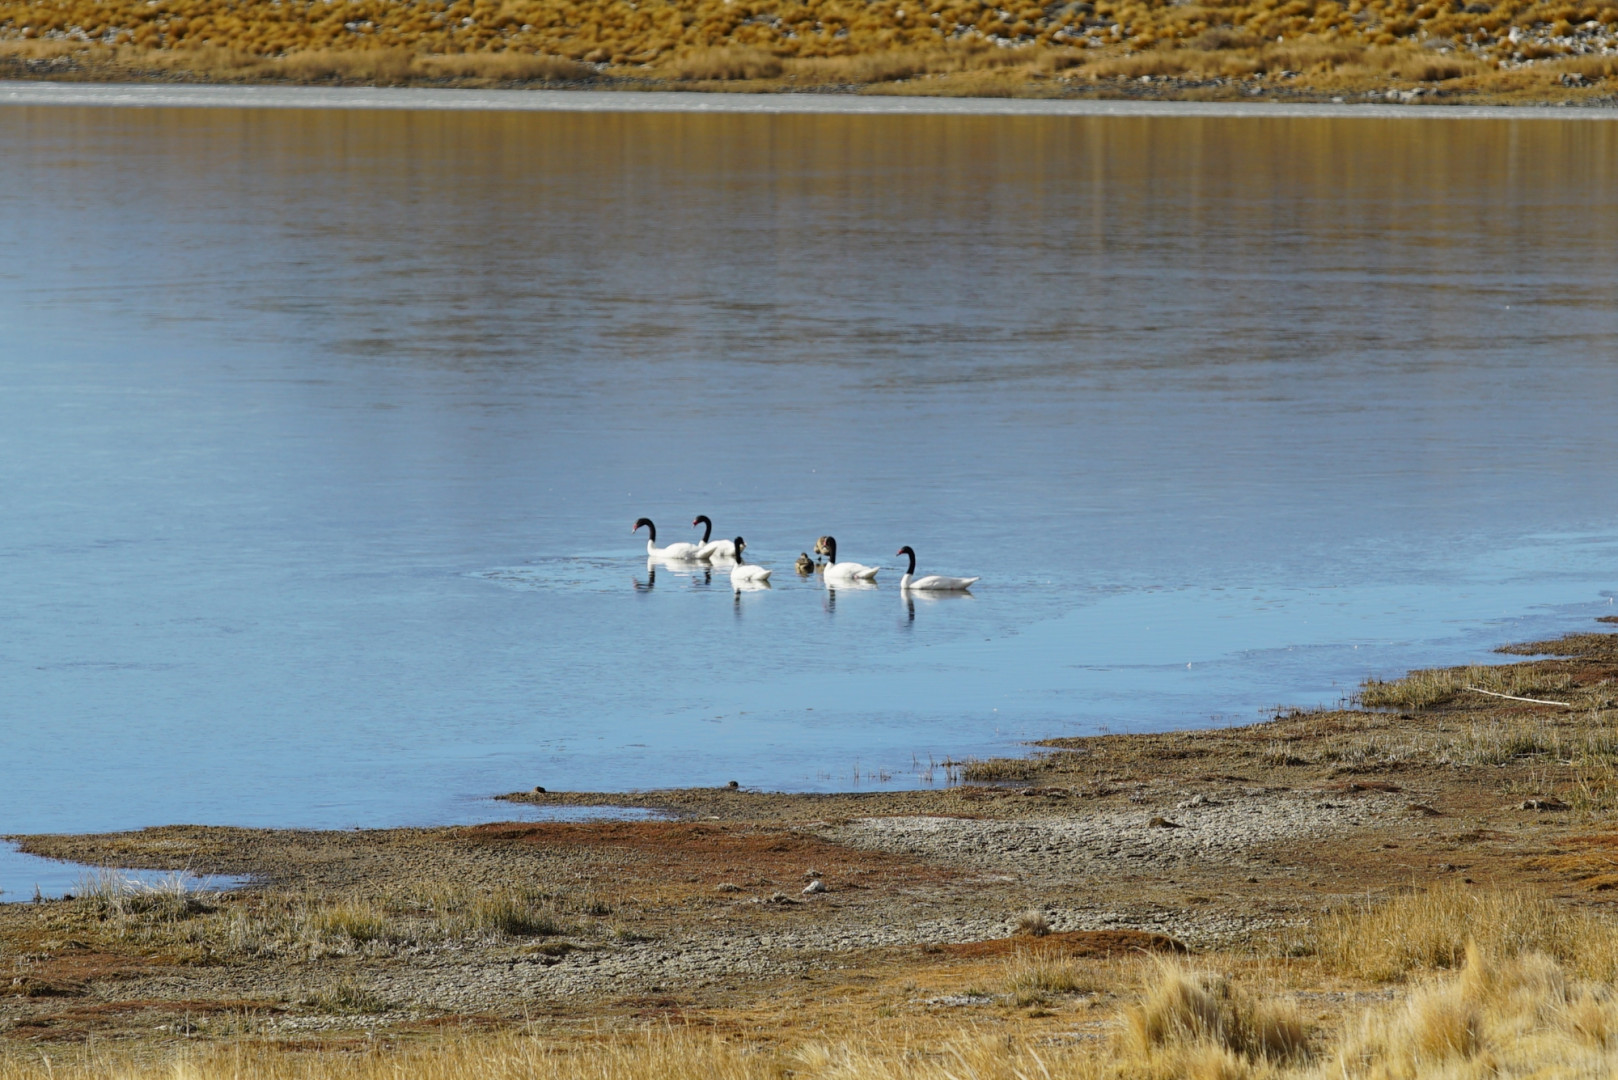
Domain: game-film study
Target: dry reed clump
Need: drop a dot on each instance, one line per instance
(1032, 923)
(1001, 770)
(1033, 976)
(1191, 1022)
(722, 64)
(505, 67)
(1433, 929)
(291, 924)
(347, 998)
(1438, 686)
(390, 66)
(875, 67)
(1517, 1017)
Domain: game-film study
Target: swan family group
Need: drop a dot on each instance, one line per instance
(744, 574)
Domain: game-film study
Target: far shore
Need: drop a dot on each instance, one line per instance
(236, 96)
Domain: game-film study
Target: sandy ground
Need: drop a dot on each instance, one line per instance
(1227, 843)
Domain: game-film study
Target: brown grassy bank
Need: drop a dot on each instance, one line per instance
(1528, 50)
(1416, 885)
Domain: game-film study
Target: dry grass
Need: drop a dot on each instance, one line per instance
(725, 64)
(1527, 992)
(1033, 976)
(1519, 1017)
(1001, 770)
(302, 926)
(504, 67)
(1497, 1017)
(1032, 924)
(1434, 928)
(1439, 686)
(951, 46)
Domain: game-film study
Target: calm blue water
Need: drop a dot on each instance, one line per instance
(321, 434)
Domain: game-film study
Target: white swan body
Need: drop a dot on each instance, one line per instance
(842, 571)
(679, 552)
(932, 582)
(710, 550)
(745, 574)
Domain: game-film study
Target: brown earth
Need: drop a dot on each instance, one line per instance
(1231, 843)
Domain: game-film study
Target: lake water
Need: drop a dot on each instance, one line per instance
(321, 433)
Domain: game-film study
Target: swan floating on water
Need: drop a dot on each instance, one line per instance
(717, 549)
(680, 552)
(932, 582)
(842, 571)
(746, 574)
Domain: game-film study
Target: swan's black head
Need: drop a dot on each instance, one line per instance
(827, 546)
(707, 526)
(650, 528)
(740, 543)
(910, 551)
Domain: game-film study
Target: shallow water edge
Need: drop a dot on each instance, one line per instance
(314, 97)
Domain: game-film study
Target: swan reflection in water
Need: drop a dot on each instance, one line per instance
(833, 588)
(701, 580)
(928, 599)
(745, 586)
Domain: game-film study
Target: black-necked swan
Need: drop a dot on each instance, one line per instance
(932, 582)
(746, 573)
(716, 549)
(842, 571)
(673, 551)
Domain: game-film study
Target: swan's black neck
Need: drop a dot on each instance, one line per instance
(912, 555)
(831, 550)
(707, 526)
(651, 530)
(740, 543)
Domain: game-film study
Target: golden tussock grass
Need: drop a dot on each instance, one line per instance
(1495, 984)
(725, 64)
(391, 66)
(1513, 1017)
(1327, 44)
(504, 67)
(1433, 929)
(1196, 1023)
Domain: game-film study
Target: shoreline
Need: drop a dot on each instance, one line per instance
(169, 95)
(1334, 861)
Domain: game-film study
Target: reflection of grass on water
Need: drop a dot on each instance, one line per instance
(1534, 49)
